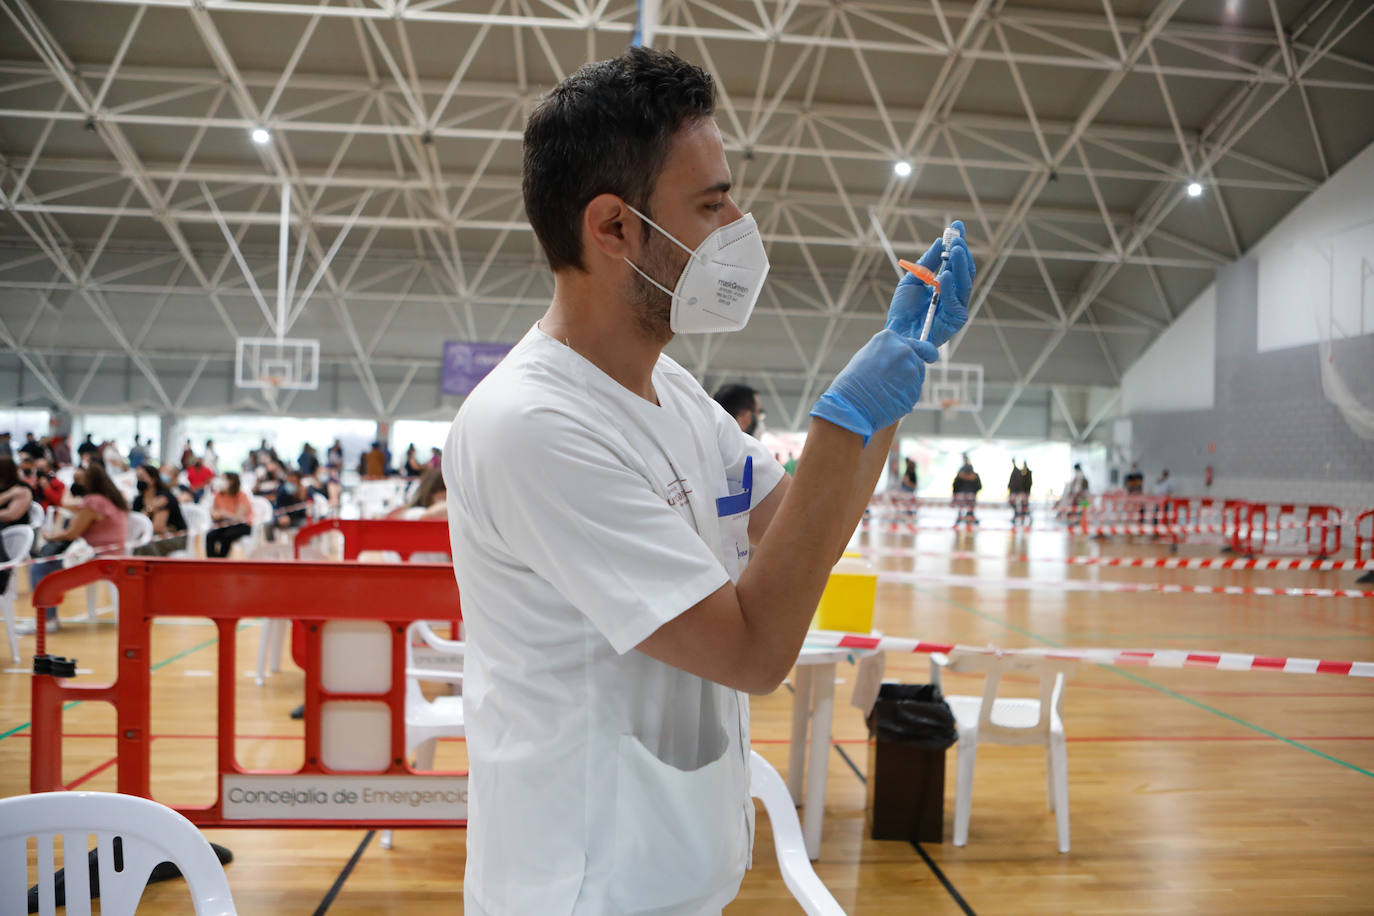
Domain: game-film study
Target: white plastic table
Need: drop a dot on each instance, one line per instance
(813, 698)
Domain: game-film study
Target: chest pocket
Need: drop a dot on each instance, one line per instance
(732, 513)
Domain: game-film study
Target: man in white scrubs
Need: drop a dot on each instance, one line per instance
(632, 564)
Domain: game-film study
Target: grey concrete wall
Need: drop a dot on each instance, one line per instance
(1276, 436)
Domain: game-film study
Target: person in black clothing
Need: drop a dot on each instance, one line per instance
(1018, 489)
(16, 496)
(33, 448)
(232, 514)
(967, 483)
(157, 501)
(87, 448)
(291, 503)
(1134, 482)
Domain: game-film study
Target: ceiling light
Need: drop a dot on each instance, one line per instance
(902, 168)
(1194, 189)
(260, 135)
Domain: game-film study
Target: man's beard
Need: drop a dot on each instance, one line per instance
(652, 307)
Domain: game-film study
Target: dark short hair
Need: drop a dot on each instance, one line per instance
(735, 398)
(605, 130)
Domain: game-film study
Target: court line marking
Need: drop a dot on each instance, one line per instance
(343, 875)
(953, 892)
(92, 773)
(166, 661)
(1131, 675)
(935, 869)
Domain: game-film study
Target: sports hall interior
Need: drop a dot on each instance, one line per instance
(269, 223)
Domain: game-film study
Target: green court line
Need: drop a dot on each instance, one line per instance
(162, 664)
(1132, 676)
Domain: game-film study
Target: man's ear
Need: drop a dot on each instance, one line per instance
(610, 228)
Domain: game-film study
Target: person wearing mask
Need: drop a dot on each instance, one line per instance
(156, 500)
(187, 453)
(291, 502)
(270, 478)
(137, 454)
(16, 496)
(210, 457)
(605, 513)
(967, 483)
(232, 513)
(49, 488)
(99, 517)
(742, 403)
(334, 457)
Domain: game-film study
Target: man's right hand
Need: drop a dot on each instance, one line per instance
(879, 386)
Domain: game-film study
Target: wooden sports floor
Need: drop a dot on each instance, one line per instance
(1191, 791)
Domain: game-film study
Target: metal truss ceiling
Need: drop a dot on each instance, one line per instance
(1063, 133)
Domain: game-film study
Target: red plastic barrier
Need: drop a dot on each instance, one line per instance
(1321, 524)
(361, 535)
(1363, 521)
(227, 593)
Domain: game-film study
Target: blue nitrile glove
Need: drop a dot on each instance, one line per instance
(879, 386)
(907, 313)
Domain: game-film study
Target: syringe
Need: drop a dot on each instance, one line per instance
(931, 278)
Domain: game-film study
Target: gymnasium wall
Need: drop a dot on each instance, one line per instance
(1270, 432)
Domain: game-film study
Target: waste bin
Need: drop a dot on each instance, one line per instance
(909, 729)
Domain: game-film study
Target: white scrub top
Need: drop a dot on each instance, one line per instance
(582, 519)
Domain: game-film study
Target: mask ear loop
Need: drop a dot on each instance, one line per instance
(669, 236)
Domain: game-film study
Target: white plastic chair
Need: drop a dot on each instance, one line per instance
(256, 538)
(429, 720)
(35, 514)
(147, 833)
(66, 474)
(198, 523)
(138, 531)
(18, 540)
(767, 786)
(1009, 721)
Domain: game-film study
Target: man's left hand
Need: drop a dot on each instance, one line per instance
(907, 313)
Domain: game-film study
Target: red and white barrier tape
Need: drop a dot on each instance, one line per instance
(1152, 658)
(1268, 563)
(1084, 585)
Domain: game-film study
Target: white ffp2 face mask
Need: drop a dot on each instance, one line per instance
(721, 282)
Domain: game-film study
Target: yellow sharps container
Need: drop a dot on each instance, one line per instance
(849, 596)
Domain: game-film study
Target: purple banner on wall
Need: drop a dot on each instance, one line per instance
(467, 363)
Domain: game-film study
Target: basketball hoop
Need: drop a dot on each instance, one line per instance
(948, 406)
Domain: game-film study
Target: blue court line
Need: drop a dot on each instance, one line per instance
(162, 664)
(1132, 676)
